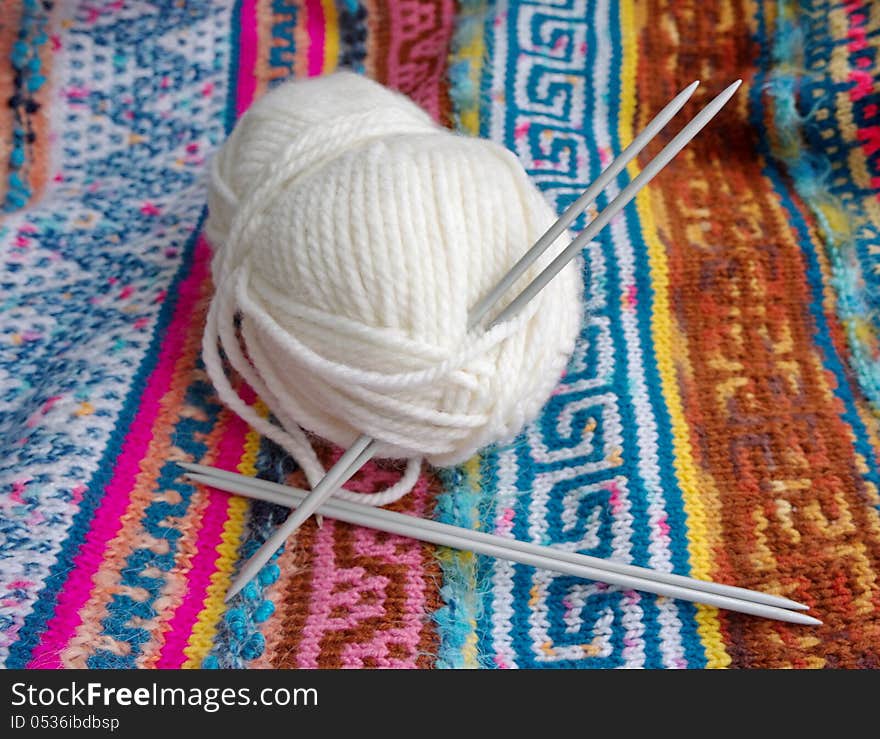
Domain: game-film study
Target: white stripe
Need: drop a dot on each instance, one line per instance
(646, 428)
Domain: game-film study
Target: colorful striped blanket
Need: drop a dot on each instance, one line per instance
(719, 416)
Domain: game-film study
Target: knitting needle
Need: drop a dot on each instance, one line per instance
(272, 492)
(669, 151)
(567, 563)
(364, 447)
(581, 204)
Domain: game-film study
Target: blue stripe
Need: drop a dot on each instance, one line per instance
(674, 502)
(822, 334)
(44, 606)
(523, 578)
(641, 554)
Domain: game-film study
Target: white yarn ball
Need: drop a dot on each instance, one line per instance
(352, 234)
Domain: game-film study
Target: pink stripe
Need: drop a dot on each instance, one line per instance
(248, 45)
(107, 520)
(323, 569)
(337, 602)
(198, 578)
(315, 29)
(229, 451)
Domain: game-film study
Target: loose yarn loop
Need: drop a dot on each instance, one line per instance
(351, 235)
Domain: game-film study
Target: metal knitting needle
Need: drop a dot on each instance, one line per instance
(364, 447)
(568, 216)
(567, 563)
(669, 151)
(272, 492)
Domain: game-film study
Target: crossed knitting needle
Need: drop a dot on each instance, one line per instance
(535, 555)
(363, 449)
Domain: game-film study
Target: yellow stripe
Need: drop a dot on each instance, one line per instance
(202, 638)
(331, 36)
(468, 563)
(686, 470)
(474, 51)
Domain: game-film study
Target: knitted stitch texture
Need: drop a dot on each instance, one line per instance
(717, 418)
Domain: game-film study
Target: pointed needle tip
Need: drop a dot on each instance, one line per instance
(790, 605)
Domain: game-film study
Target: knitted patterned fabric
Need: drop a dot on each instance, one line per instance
(718, 417)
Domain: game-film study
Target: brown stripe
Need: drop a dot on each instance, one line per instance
(394, 604)
(429, 645)
(34, 170)
(292, 596)
(278, 637)
(9, 24)
(409, 43)
(293, 602)
(38, 152)
(797, 516)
